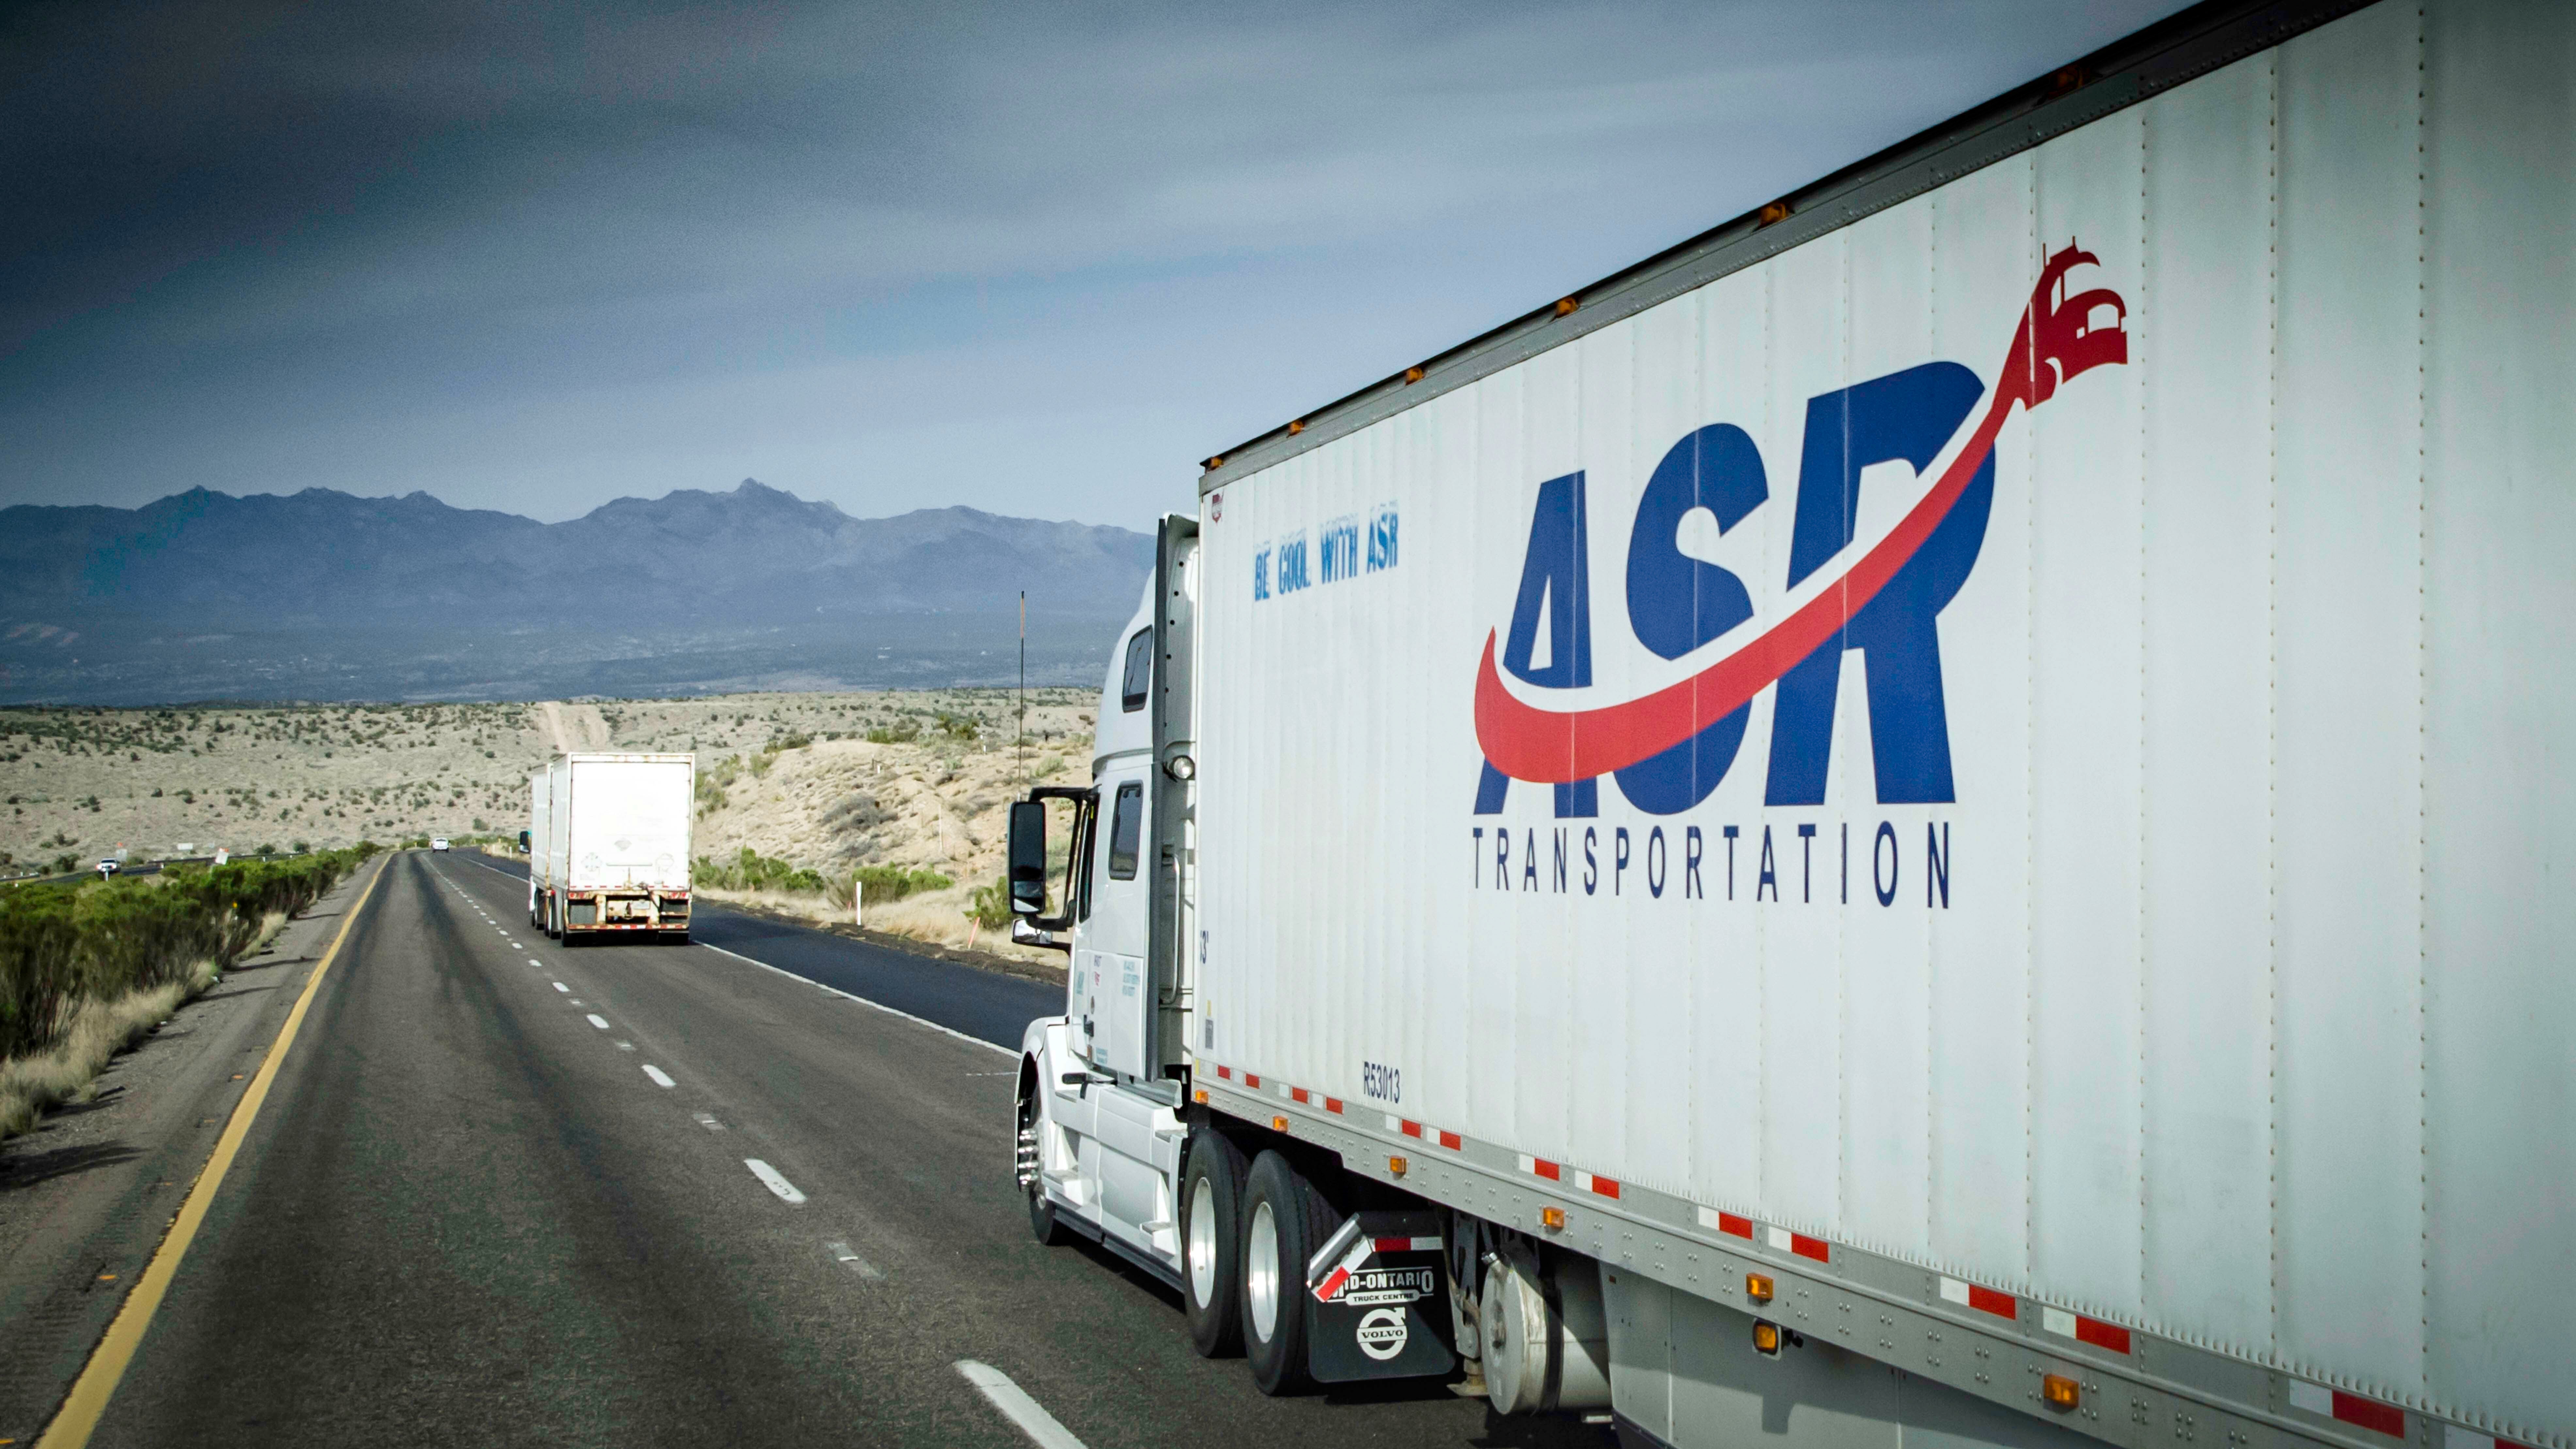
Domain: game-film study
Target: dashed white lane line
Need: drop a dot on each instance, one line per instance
(599, 1021)
(708, 1121)
(769, 1178)
(660, 1077)
(559, 986)
(626, 1046)
(1025, 1413)
(848, 1258)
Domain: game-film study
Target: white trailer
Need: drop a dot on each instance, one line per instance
(1944, 811)
(608, 845)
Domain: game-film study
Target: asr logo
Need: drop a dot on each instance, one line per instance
(1671, 747)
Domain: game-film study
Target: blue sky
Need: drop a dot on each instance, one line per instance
(1036, 259)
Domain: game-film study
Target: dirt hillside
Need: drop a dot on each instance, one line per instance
(792, 776)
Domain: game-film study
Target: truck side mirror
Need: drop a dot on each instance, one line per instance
(1028, 857)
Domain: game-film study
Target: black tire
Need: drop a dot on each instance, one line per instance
(1042, 1223)
(1212, 1243)
(1284, 1220)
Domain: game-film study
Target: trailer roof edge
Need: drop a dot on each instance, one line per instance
(2145, 63)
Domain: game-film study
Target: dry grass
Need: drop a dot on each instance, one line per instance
(98, 1030)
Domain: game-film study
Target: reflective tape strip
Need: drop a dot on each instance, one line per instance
(1297, 1094)
(1407, 1245)
(2088, 1330)
(1605, 1187)
(1727, 1223)
(1252, 1080)
(1541, 1167)
(2455, 1437)
(1785, 1241)
(1410, 1129)
(1452, 1141)
(1984, 1300)
(1333, 1105)
(2349, 1408)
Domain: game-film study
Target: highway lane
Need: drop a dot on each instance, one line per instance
(984, 1004)
(470, 1212)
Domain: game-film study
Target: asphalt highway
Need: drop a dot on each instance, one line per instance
(505, 1192)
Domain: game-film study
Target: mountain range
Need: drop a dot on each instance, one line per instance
(325, 595)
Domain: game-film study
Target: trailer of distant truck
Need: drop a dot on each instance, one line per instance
(1944, 813)
(608, 846)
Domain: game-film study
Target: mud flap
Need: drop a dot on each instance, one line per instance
(1379, 1301)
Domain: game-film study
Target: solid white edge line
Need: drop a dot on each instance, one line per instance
(1026, 1413)
(1012, 1052)
(660, 1077)
(776, 1181)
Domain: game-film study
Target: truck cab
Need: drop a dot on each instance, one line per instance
(1102, 873)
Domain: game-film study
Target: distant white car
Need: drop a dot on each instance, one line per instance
(110, 866)
(438, 842)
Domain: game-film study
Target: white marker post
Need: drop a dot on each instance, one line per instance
(858, 903)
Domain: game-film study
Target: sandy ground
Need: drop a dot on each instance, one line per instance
(804, 784)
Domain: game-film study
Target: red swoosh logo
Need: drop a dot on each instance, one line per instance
(2055, 341)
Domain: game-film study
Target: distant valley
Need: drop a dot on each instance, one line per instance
(321, 595)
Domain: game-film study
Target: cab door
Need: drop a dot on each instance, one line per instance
(1118, 1002)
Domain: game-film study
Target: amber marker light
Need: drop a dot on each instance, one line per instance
(1278, 1124)
(1296, 426)
(1412, 375)
(1757, 1286)
(1766, 1338)
(1565, 306)
(1552, 1219)
(2060, 1392)
(1396, 1166)
(1777, 211)
(1200, 1096)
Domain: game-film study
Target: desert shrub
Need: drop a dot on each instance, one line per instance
(103, 940)
(991, 904)
(958, 727)
(901, 732)
(893, 882)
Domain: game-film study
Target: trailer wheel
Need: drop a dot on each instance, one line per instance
(1284, 1218)
(1211, 1244)
(1042, 1223)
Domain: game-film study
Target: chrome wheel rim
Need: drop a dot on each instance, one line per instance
(1202, 1245)
(1261, 1271)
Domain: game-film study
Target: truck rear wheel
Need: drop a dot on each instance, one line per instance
(1211, 1244)
(1284, 1219)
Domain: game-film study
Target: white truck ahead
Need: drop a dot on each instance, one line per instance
(1945, 812)
(608, 846)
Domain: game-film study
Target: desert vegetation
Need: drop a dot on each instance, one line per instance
(86, 969)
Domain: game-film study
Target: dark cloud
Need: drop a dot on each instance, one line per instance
(1032, 257)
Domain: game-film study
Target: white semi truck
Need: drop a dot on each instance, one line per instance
(1944, 812)
(608, 846)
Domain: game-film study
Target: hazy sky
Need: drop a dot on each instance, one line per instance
(1039, 259)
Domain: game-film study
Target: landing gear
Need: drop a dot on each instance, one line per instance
(1211, 1244)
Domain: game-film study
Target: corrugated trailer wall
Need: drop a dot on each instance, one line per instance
(2223, 988)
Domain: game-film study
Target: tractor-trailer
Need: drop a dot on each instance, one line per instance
(1947, 810)
(608, 846)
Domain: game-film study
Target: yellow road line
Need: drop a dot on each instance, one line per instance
(97, 1383)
